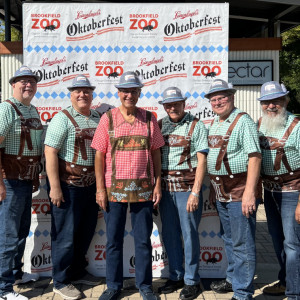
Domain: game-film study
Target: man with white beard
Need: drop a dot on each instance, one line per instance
(279, 132)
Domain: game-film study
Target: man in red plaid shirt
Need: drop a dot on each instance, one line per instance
(127, 161)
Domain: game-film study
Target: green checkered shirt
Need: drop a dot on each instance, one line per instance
(242, 142)
(291, 148)
(10, 128)
(171, 155)
(61, 135)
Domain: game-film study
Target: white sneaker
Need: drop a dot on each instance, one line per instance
(27, 277)
(13, 296)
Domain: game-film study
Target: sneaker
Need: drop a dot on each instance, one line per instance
(190, 292)
(27, 277)
(148, 294)
(13, 296)
(110, 294)
(170, 286)
(68, 292)
(88, 279)
(221, 287)
(276, 289)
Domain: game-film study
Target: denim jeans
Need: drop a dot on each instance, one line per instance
(72, 229)
(142, 224)
(15, 219)
(180, 226)
(285, 232)
(238, 234)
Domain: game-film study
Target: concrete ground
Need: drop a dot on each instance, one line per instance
(266, 273)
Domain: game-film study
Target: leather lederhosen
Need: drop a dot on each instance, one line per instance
(129, 190)
(285, 182)
(180, 180)
(232, 186)
(20, 166)
(70, 172)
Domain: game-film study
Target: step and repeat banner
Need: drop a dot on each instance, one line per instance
(166, 45)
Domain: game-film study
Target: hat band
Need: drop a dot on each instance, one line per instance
(173, 98)
(273, 94)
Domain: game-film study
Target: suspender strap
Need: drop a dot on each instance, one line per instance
(25, 131)
(280, 153)
(79, 140)
(186, 153)
(223, 151)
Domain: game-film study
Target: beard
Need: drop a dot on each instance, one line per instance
(274, 123)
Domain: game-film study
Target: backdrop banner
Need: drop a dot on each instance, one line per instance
(167, 44)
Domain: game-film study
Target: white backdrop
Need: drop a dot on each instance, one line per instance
(168, 45)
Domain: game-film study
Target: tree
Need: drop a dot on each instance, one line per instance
(16, 35)
(290, 66)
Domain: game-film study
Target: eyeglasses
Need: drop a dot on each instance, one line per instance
(127, 92)
(85, 92)
(222, 99)
(25, 82)
(278, 101)
(173, 104)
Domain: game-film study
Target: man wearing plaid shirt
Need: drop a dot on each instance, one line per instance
(233, 164)
(21, 149)
(72, 188)
(183, 169)
(279, 133)
(128, 142)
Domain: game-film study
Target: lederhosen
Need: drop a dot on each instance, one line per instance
(180, 180)
(70, 172)
(129, 190)
(19, 166)
(232, 186)
(285, 182)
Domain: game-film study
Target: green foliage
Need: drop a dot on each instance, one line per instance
(16, 35)
(290, 66)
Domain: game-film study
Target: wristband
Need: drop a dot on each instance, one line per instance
(194, 194)
(101, 191)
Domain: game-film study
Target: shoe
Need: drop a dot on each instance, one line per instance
(88, 279)
(13, 296)
(148, 294)
(190, 292)
(221, 287)
(276, 289)
(110, 294)
(27, 277)
(68, 292)
(170, 286)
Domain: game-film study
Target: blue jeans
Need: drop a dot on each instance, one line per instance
(72, 229)
(285, 232)
(142, 224)
(15, 219)
(238, 234)
(178, 225)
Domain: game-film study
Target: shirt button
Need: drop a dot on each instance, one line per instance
(72, 166)
(276, 178)
(217, 178)
(84, 169)
(18, 157)
(231, 176)
(291, 173)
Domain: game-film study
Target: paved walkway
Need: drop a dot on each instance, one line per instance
(266, 273)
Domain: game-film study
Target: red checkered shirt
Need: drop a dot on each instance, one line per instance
(129, 164)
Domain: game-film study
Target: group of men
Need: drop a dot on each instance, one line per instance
(125, 157)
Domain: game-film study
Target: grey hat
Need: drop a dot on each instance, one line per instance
(172, 94)
(80, 81)
(272, 90)
(219, 85)
(24, 71)
(129, 80)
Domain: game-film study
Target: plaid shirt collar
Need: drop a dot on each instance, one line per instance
(139, 117)
(75, 113)
(230, 118)
(18, 103)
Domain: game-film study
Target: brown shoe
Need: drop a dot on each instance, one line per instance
(276, 289)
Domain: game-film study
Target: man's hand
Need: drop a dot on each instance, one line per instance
(192, 203)
(248, 203)
(56, 196)
(2, 191)
(297, 213)
(156, 195)
(101, 199)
